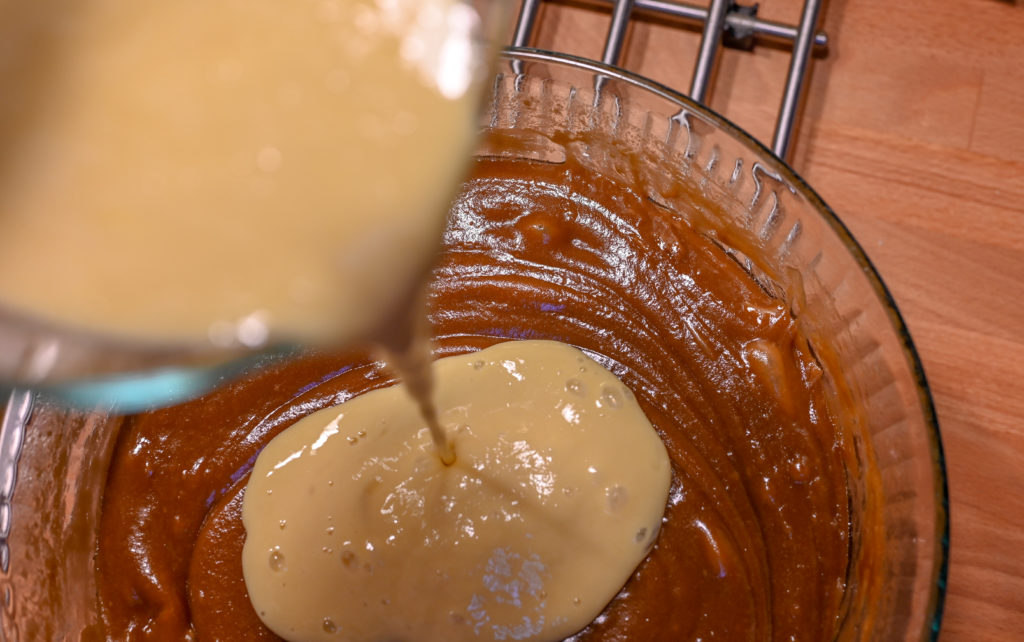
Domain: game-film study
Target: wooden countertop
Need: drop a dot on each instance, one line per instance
(913, 131)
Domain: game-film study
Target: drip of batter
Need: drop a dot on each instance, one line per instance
(356, 530)
(407, 350)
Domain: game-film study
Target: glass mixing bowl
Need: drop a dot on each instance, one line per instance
(772, 223)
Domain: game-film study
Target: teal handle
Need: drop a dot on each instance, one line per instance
(127, 393)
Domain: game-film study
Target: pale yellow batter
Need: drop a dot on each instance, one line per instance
(231, 170)
(355, 530)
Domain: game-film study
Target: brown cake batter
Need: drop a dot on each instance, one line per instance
(755, 543)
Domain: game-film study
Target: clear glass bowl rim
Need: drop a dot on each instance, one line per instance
(913, 360)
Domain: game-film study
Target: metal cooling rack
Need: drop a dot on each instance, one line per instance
(725, 22)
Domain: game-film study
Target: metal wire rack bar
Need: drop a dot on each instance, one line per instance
(714, 24)
(721, 18)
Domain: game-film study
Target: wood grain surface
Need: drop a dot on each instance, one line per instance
(913, 131)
